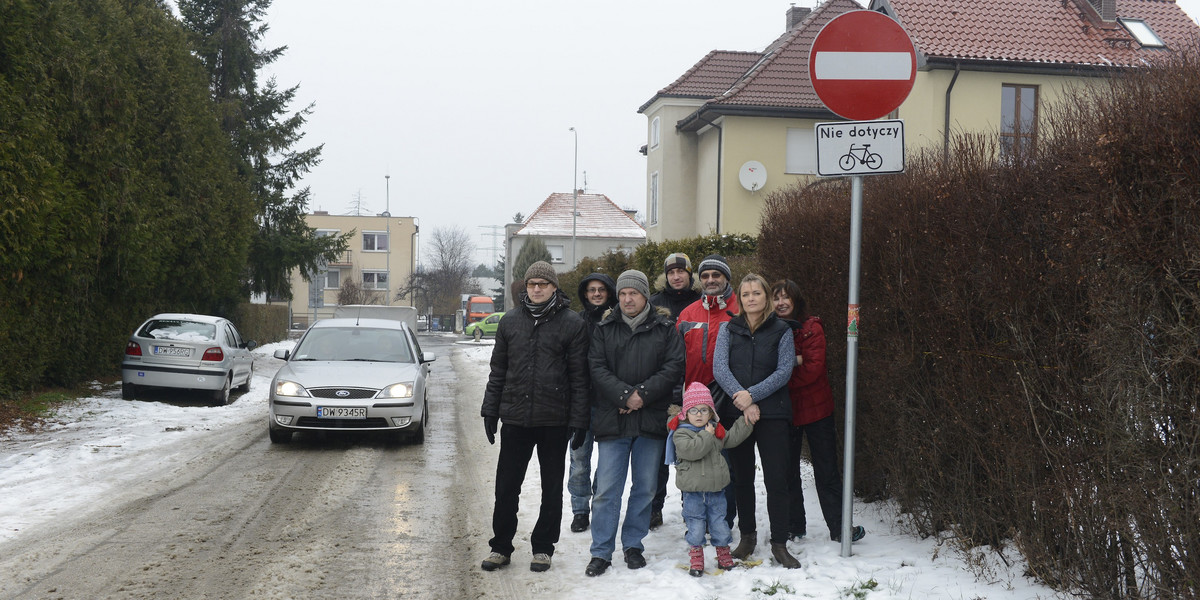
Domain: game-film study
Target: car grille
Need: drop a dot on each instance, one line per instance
(375, 423)
(351, 393)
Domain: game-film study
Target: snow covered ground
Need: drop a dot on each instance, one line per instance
(74, 464)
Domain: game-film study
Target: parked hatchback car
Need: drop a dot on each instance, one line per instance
(185, 351)
(487, 326)
(351, 374)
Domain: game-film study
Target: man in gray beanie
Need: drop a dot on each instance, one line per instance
(538, 387)
(636, 359)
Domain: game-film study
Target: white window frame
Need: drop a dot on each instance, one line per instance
(1143, 33)
(654, 199)
(375, 284)
(655, 132)
(337, 278)
(801, 148)
(375, 236)
(556, 253)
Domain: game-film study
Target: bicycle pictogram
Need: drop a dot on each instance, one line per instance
(861, 155)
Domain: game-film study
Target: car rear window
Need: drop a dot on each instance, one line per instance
(354, 343)
(182, 331)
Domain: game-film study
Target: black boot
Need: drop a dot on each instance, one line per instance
(783, 557)
(579, 522)
(745, 545)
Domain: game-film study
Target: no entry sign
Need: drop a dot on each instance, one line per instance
(862, 65)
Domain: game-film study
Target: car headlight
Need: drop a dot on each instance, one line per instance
(284, 387)
(398, 390)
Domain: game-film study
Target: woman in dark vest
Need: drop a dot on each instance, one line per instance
(752, 362)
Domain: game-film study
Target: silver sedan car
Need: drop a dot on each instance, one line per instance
(351, 374)
(185, 351)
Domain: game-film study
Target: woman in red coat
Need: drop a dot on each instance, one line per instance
(812, 416)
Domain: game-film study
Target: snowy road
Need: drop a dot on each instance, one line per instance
(215, 510)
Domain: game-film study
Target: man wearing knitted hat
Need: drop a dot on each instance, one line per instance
(677, 294)
(699, 324)
(539, 388)
(636, 358)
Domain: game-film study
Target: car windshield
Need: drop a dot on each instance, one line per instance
(182, 331)
(481, 307)
(355, 344)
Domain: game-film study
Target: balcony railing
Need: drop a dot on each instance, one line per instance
(345, 259)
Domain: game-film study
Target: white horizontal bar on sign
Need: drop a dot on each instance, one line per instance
(863, 65)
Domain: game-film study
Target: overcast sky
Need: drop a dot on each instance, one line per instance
(467, 105)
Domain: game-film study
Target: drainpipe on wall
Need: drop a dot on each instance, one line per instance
(720, 152)
(946, 126)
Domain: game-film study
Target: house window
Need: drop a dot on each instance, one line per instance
(1142, 33)
(375, 241)
(1018, 120)
(654, 198)
(655, 129)
(375, 280)
(333, 279)
(801, 152)
(556, 253)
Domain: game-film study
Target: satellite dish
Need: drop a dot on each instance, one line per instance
(752, 175)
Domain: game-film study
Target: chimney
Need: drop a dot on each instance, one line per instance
(796, 14)
(632, 212)
(1106, 8)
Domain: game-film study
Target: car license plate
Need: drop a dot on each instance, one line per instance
(341, 412)
(172, 351)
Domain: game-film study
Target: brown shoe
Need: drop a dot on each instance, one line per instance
(785, 559)
(745, 545)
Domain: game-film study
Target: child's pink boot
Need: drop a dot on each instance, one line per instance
(724, 558)
(696, 554)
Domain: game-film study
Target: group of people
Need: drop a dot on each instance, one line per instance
(691, 378)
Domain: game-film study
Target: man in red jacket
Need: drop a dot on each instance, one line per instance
(699, 324)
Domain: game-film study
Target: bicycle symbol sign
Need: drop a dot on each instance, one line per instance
(859, 148)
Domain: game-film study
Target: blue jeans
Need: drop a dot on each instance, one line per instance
(706, 510)
(579, 481)
(616, 460)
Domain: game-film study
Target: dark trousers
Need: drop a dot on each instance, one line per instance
(771, 437)
(822, 449)
(516, 448)
(660, 493)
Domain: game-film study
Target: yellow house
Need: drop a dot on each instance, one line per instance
(380, 258)
(738, 125)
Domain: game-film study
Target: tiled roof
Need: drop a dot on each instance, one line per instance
(598, 217)
(1054, 33)
(712, 76)
(1040, 31)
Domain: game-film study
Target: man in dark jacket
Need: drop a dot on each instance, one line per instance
(678, 292)
(636, 358)
(597, 294)
(538, 387)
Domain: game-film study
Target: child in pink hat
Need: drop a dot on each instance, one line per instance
(695, 441)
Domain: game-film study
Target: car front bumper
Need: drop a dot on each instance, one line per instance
(400, 414)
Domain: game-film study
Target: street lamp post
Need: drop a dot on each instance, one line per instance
(387, 214)
(575, 200)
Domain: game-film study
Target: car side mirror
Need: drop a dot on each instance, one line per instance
(283, 353)
(250, 345)
(428, 357)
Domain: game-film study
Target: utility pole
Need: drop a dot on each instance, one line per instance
(497, 233)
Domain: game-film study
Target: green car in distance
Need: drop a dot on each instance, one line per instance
(487, 326)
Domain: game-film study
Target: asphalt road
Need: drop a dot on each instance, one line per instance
(327, 516)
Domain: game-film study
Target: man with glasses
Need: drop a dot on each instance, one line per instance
(539, 388)
(598, 295)
(699, 324)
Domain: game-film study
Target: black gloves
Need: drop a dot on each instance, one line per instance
(578, 435)
(489, 427)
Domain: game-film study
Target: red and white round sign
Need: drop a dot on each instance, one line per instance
(862, 65)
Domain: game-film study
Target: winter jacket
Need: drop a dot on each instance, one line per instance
(649, 360)
(759, 362)
(593, 314)
(812, 398)
(675, 300)
(539, 374)
(701, 467)
(699, 325)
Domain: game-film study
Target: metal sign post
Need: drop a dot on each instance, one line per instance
(851, 361)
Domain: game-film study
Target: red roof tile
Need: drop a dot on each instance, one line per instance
(1040, 31)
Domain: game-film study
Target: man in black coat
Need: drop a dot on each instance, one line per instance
(636, 358)
(678, 292)
(539, 388)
